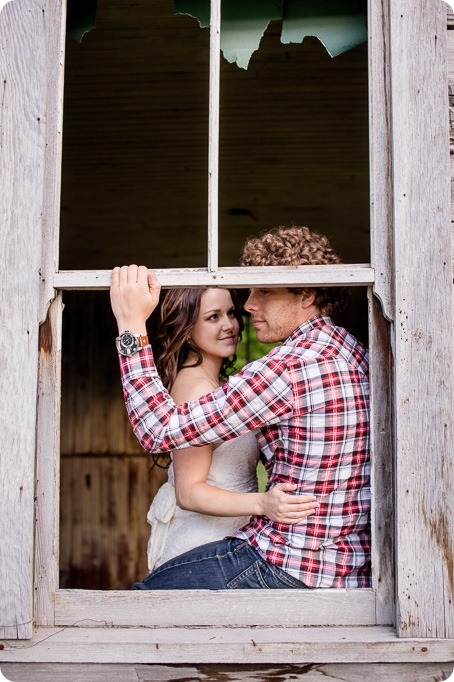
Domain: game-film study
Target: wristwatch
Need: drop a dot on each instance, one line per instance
(129, 343)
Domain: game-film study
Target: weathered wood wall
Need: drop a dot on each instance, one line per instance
(450, 14)
(107, 482)
(293, 147)
(30, 69)
(379, 672)
(133, 173)
(423, 341)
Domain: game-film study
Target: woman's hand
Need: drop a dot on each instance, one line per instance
(134, 294)
(278, 505)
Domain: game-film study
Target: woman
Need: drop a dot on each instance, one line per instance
(211, 491)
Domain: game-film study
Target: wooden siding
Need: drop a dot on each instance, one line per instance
(451, 115)
(416, 602)
(232, 608)
(28, 65)
(423, 318)
(293, 142)
(103, 527)
(95, 644)
(107, 481)
(341, 672)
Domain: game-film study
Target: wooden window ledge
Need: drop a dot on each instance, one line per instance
(374, 644)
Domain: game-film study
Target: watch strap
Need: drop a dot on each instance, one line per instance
(142, 341)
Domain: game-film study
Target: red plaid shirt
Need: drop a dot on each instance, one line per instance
(309, 401)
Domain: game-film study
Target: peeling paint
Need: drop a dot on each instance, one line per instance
(45, 337)
(339, 27)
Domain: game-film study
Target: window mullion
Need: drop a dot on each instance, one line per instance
(213, 141)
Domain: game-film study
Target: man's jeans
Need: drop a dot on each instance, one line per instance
(229, 564)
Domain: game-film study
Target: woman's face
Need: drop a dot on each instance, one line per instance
(216, 331)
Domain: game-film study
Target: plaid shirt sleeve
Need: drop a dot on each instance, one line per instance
(260, 394)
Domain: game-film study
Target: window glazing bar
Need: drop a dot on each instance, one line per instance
(358, 274)
(213, 142)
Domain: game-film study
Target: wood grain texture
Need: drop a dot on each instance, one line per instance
(23, 38)
(382, 515)
(213, 136)
(224, 608)
(47, 495)
(103, 520)
(55, 13)
(226, 645)
(381, 310)
(380, 155)
(293, 142)
(340, 672)
(423, 320)
(351, 275)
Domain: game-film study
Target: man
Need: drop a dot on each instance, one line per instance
(308, 399)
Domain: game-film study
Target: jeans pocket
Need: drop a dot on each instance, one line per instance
(249, 579)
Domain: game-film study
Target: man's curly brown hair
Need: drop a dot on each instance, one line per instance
(297, 245)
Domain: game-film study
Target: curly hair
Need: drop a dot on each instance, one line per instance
(297, 245)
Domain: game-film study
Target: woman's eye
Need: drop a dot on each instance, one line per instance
(231, 313)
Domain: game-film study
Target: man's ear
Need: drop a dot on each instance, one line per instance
(308, 298)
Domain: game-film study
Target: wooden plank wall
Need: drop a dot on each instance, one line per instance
(450, 14)
(23, 78)
(293, 142)
(107, 482)
(355, 672)
(423, 348)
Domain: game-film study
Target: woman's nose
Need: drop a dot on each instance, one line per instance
(227, 322)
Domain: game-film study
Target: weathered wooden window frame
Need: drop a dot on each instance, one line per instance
(320, 607)
(401, 162)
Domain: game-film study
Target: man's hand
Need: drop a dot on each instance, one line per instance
(134, 294)
(280, 506)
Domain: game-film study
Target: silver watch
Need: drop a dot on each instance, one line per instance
(129, 343)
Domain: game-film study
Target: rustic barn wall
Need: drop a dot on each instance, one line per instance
(450, 14)
(107, 482)
(293, 147)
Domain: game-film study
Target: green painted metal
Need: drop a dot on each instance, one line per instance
(340, 25)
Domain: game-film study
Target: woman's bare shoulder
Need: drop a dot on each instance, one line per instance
(191, 383)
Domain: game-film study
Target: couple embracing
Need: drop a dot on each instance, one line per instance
(305, 406)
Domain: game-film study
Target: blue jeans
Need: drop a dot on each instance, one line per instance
(229, 564)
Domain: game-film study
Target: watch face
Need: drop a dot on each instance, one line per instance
(127, 343)
(128, 340)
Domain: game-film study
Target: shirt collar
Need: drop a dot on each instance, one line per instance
(301, 332)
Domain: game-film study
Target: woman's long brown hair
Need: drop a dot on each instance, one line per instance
(179, 312)
(180, 309)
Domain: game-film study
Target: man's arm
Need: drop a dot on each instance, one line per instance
(261, 394)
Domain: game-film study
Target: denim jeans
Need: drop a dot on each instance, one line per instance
(229, 564)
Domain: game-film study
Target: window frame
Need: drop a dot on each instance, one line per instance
(55, 606)
(409, 154)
